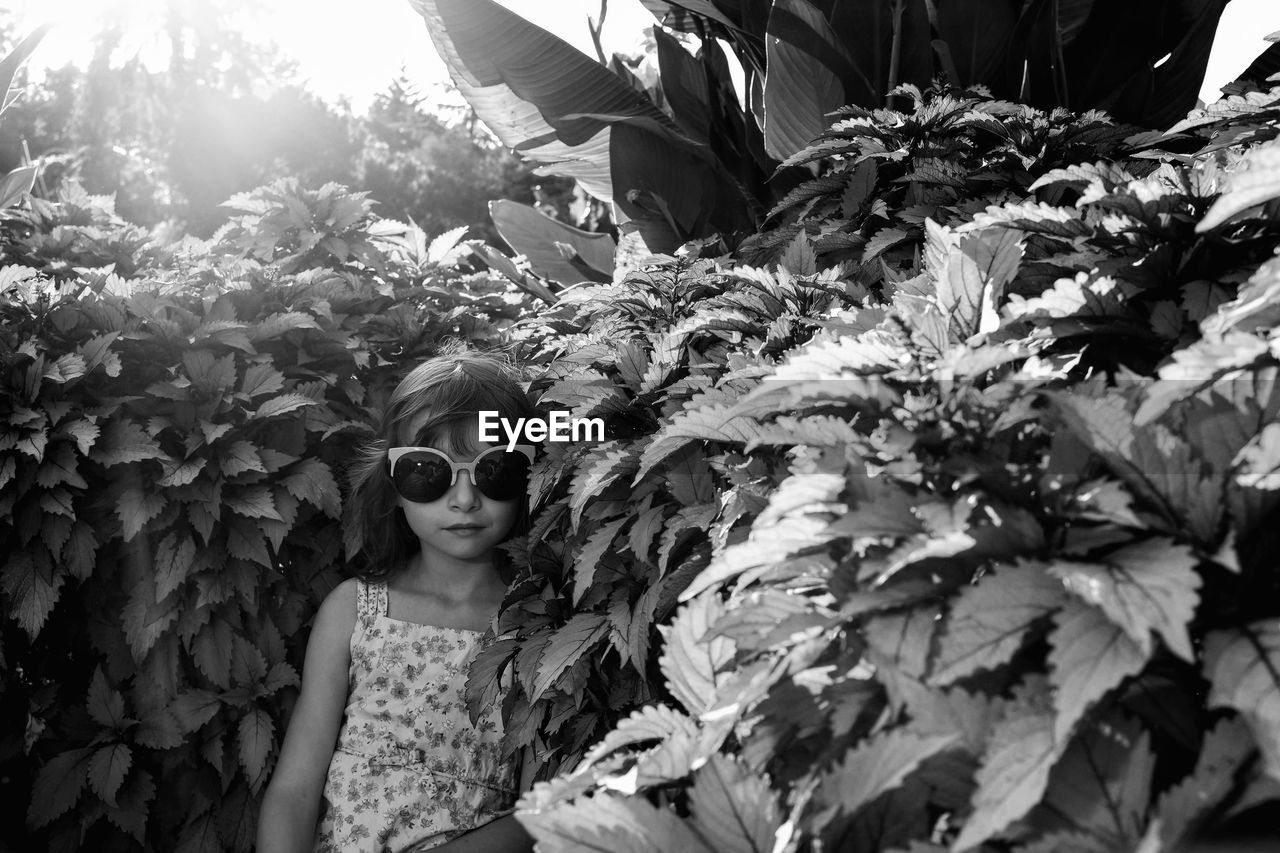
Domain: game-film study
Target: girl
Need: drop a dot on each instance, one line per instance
(380, 754)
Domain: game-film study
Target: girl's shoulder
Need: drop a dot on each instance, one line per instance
(338, 610)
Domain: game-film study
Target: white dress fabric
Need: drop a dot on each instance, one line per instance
(410, 771)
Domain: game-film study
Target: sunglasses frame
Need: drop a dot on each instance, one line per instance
(395, 454)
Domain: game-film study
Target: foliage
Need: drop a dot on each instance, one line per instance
(940, 516)
(690, 157)
(176, 423)
(172, 144)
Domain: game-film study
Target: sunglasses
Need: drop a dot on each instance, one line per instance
(424, 474)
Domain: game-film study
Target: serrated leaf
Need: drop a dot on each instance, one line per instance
(131, 813)
(567, 645)
(593, 550)
(135, 506)
(212, 651)
(254, 737)
(798, 519)
(32, 587)
(241, 456)
(602, 466)
(650, 723)
(124, 441)
(988, 621)
(107, 769)
(692, 664)
(145, 618)
(245, 541)
(483, 684)
(281, 404)
(1149, 586)
(1090, 656)
(606, 823)
(251, 502)
(878, 765)
(972, 272)
(261, 379)
(105, 704)
(1255, 180)
(1178, 813)
(273, 326)
(733, 808)
(174, 561)
(312, 481)
(1015, 769)
(58, 785)
(159, 729)
(1103, 782)
(194, 707)
(1243, 669)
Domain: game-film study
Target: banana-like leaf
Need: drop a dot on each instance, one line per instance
(801, 84)
(16, 184)
(10, 64)
(1115, 62)
(685, 85)
(558, 107)
(538, 237)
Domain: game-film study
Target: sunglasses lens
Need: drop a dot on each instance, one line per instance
(502, 476)
(421, 477)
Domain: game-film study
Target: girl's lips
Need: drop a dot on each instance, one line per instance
(464, 529)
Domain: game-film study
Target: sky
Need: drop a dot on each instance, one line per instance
(354, 55)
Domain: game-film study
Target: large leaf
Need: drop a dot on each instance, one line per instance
(1243, 666)
(1015, 769)
(1103, 782)
(1144, 588)
(972, 272)
(10, 64)
(1090, 656)
(1180, 808)
(606, 823)
(692, 663)
(559, 108)
(1118, 61)
(989, 621)
(16, 184)
(801, 81)
(733, 808)
(539, 238)
(879, 765)
(1254, 181)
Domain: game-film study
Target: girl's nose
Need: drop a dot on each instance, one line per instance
(463, 494)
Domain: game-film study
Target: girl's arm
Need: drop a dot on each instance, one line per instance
(504, 835)
(291, 805)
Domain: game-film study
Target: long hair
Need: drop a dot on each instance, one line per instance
(453, 388)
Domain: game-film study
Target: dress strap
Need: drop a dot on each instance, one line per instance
(371, 599)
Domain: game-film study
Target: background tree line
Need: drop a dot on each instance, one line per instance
(227, 115)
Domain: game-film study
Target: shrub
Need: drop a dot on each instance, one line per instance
(941, 516)
(176, 419)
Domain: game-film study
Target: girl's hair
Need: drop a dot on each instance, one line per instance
(453, 387)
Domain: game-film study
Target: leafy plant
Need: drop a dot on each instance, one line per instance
(691, 158)
(951, 538)
(176, 424)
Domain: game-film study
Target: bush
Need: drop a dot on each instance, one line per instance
(176, 420)
(940, 516)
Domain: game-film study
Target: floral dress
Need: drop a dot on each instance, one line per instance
(410, 771)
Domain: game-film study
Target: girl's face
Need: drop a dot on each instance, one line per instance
(464, 524)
